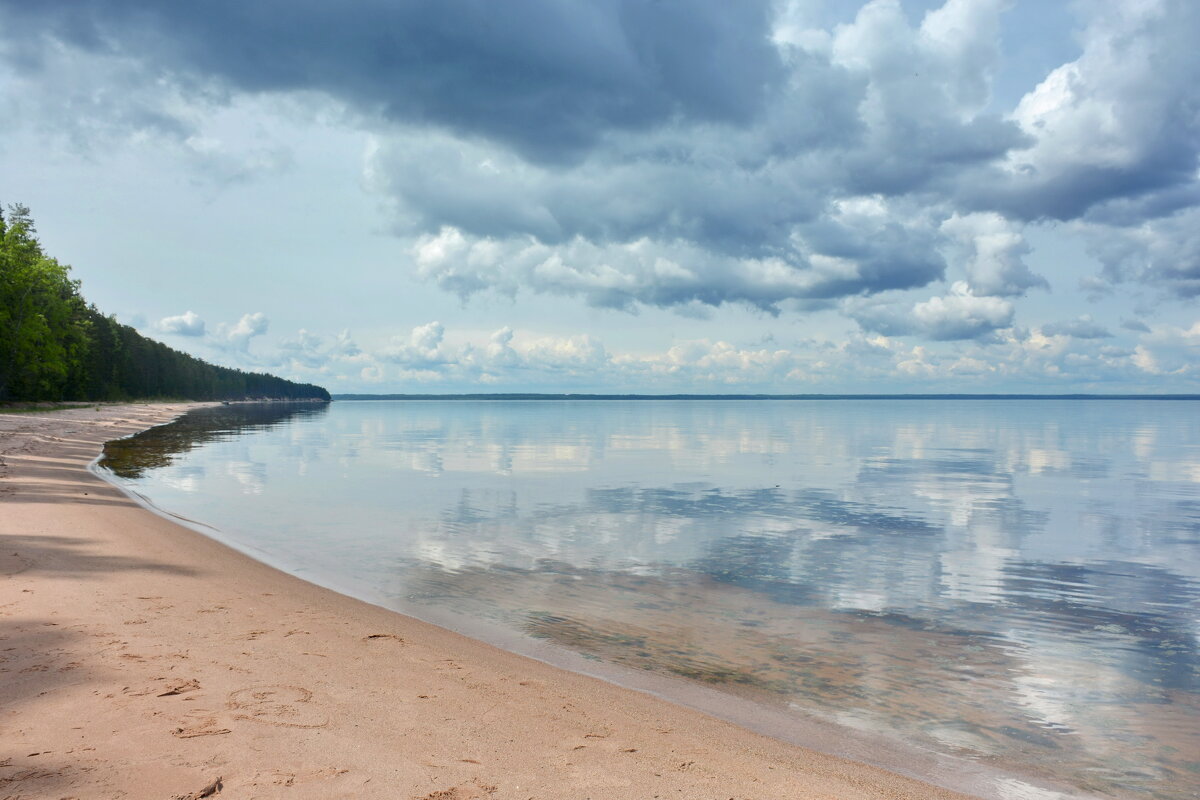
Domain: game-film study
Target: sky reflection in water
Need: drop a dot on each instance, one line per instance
(1015, 581)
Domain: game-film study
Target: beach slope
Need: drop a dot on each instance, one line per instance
(139, 659)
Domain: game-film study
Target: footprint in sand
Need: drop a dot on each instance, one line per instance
(197, 726)
(286, 706)
(178, 687)
(466, 791)
(278, 777)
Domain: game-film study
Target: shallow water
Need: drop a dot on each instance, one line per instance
(1013, 582)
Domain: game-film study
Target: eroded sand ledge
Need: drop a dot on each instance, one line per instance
(139, 659)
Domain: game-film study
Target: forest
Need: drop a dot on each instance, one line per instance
(54, 346)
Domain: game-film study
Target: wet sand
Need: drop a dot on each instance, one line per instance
(140, 659)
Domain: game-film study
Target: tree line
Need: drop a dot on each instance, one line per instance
(55, 346)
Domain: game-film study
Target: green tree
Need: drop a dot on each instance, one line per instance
(53, 346)
(43, 327)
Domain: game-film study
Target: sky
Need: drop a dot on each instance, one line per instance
(650, 196)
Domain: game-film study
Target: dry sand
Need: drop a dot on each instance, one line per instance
(139, 659)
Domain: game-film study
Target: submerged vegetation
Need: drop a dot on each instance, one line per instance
(55, 346)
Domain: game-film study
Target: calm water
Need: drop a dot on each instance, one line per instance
(1010, 582)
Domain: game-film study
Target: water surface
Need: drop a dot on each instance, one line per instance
(1016, 583)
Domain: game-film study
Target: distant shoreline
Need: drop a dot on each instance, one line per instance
(537, 396)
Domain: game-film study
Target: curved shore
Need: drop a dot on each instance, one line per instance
(141, 659)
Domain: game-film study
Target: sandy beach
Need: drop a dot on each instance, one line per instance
(140, 659)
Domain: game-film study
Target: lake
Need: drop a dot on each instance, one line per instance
(1010, 583)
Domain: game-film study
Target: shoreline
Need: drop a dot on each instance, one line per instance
(145, 659)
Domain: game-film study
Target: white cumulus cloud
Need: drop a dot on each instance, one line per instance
(240, 333)
(185, 324)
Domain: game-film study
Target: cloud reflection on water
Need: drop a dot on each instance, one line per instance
(1014, 580)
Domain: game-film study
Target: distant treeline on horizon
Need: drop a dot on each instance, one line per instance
(536, 396)
(55, 346)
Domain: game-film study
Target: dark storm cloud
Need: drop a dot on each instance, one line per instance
(598, 125)
(543, 76)
(689, 154)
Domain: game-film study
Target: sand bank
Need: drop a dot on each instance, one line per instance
(139, 659)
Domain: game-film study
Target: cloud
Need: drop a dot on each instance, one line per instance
(1135, 325)
(216, 161)
(570, 354)
(836, 258)
(499, 350)
(432, 358)
(1118, 123)
(426, 357)
(579, 69)
(185, 324)
(742, 157)
(960, 314)
(1145, 361)
(1162, 253)
(510, 356)
(971, 345)
(1170, 350)
(314, 352)
(240, 333)
(908, 127)
(992, 249)
(90, 99)
(925, 94)
(1082, 328)
(819, 200)
(422, 350)
(426, 338)
(1095, 288)
(685, 156)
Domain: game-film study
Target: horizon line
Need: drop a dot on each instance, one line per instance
(361, 396)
